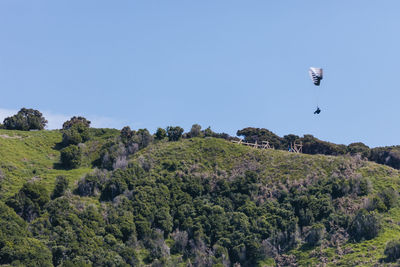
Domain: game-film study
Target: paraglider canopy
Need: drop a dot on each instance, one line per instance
(316, 75)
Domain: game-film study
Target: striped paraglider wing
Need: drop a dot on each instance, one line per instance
(316, 75)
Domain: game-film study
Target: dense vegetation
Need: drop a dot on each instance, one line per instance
(102, 197)
(25, 120)
(311, 145)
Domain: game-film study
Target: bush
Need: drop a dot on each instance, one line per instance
(315, 234)
(258, 135)
(386, 155)
(364, 226)
(60, 187)
(126, 134)
(71, 157)
(359, 148)
(29, 201)
(389, 197)
(312, 145)
(91, 184)
(25, 120)
(75, 131)
(392, 250)
(174, 133)
(143, 138)
(160, 134)
(195, 131)
(74, 121)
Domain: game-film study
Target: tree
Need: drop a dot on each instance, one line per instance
(260, 134)
(75, 131)
(126, 134)
(174, 133)
(160, 134)
(312, 145)
(71, 157)
(25, 120)
(60, 187)
(392, 250)
(76, 120)
(365, 225)
(143, 138)
(29, 201)
(315, 234)
(359, 148)
(195, 131)
(386, 155)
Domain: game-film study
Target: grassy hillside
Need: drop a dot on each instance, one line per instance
(26, 156)
(203, 201)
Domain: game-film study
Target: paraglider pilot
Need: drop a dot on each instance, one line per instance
(317, 111)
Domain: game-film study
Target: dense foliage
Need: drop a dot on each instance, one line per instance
(25, 120)
(75, 131)
(71, 157)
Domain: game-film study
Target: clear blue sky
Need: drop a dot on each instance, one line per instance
(226, 64)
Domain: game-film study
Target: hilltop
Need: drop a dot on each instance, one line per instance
(201, 201)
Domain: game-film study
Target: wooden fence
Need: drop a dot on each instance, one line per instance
(294, 147)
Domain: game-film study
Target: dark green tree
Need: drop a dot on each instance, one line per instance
(60, 187)
(160, 134)
(252, 135)
(25, 120)
(126, 134)
(29, 201)
(174, 133)
(359, 148)
(76, 131)
(392, 250)
(71, 157)
(315, 234)
(76, 120)
(364, 226)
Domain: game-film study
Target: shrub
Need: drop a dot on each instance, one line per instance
(376, 203)
(160, 134)
(389, 197)
(315, 234)
(74, 121)
(195, 131)
(71, 157)
(359, 148)
(392, 250)
(364, 226)
(260, 134)
(126, 134)
(91, 184)
(386, 155)
(77, 132)
(25, 120)
(312, 145)
(174, 133)
(29, 201)
(60, 187)
(143, 138)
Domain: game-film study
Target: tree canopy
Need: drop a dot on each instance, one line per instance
(25, 120)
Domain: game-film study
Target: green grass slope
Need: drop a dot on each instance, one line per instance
(35, 155)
